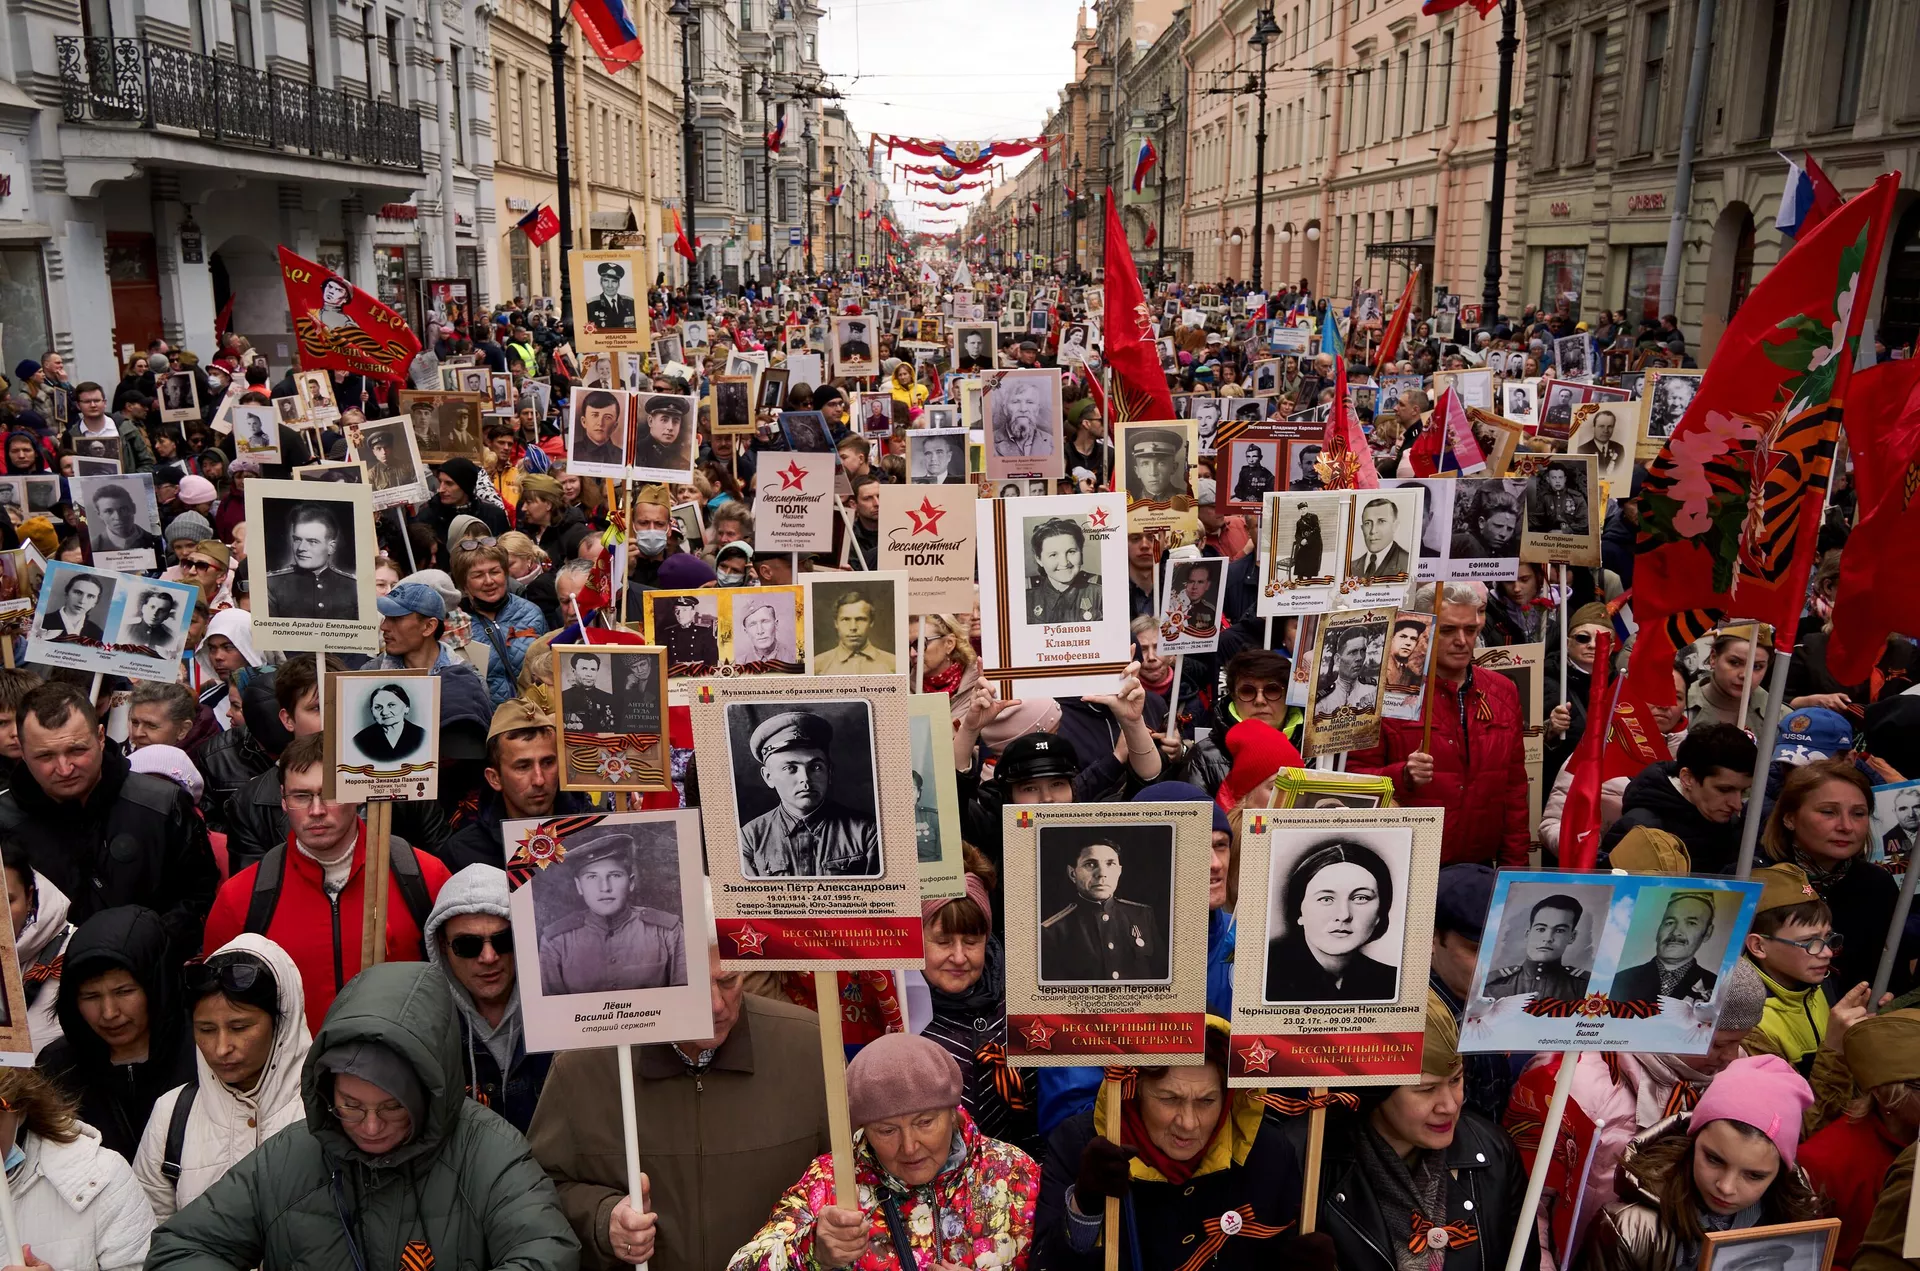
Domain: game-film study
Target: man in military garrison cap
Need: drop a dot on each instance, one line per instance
(1156, 464)
(1099, 937)
(1058, 590)
(807, 835)
(614, 945)
(611, 311)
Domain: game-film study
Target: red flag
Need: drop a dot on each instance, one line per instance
(1139, 385)
(1397, 325)
(1344, 447)
(1446, 444)
(1580, 819)
(340, 327)
(1876, 595)
(1729, 510)
(1153, 235)
(1482, 7)
(1826, 198)
(680, 243)
(539, 225)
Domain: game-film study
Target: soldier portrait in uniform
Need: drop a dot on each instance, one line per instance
(152, 619)
(597, 439)
(1156, 464)
(806, 431)
(1190, 610)
(1063, 582)
(732, 404)
(763, 635)
(663, 436)
(389, 736)
(609, 915)
(853, 627)
(1105, 900)
(1349, 669)
(310, 557)
(973, 346)
(1249, 469)
(853, 346)
(256, 432)
(121, 521)
(1798, 1246)
(1336, 907)
(804, 789)
(612, 307)
(1546, 940)
(1557, 500)
(392, 464)
(586, 688)
(1023, 416)
(688, 627)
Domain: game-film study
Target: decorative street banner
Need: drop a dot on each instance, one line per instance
(342, 328)
(929, 532)
(1106, 932)
(794, 503)
(1581, 961)
(1336, 992)
(810, 838)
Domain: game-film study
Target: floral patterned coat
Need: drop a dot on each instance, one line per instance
(977, 1213)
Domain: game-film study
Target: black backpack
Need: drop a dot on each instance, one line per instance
(272, 873)
(177, 1133)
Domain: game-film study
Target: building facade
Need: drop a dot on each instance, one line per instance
(1831, 78)
(1153, 106)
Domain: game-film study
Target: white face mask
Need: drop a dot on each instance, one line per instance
(650, 542)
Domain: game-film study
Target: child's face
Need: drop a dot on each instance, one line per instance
(9, 736)
(1784, 961)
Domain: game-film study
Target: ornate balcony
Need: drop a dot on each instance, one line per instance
(138, 82)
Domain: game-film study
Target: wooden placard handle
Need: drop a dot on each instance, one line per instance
(373, 884)
(833, 1059)
(1310, 1183)
(1110, 1093)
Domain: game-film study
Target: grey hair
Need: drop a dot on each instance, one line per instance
(1429, 598)
(177, 698)
(575, 568)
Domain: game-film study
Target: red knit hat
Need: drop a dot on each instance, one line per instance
(1259, 750)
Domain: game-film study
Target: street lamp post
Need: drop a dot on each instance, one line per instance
(766, 181)
(561, 158)
(683, 12)
(833, 221)
(1264, 29)
(1166, 117)
(1073, 214)
(806, 211)
(1497, 202)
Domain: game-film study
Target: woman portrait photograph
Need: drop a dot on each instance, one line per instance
(1335, 922)
(389, 734)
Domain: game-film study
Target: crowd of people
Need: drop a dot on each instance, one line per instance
(219, 1081)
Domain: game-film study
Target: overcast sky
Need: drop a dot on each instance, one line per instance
(951, 70)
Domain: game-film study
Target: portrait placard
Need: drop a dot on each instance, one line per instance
(1324, 788)
(598, 432)
(936, 798)
(794, 502)
(16, 586)
(391, 451)
(1564, 508)
(1524, 665)
(1664, 398)
(1487, 516)
(92, 619)
(446, 425)
(16, 1035)
(1302, 557)
(929, 532)
(1517, 402)
(1608, 431)
(616, 308)
(311, 568)
(1474, 387)
(1336, 992)
(973, 345)
(179, 397)
(612, 704)
(1344, 710)
(1251, 459)
(805, 432)
(1436, 524)
(1381, 544)
(727, 631)
(1023, 423)
(1404, 668)
(664, 437)
(1498, 438)
(87, 466)
(1156, 463)
(859, 623)
(732, 404)
(810, 839)
(1787, 1246)
(1053, 593)
(937, 456)
(1583, 961)
(855, 339)
(772, 391)
(1896, 826)
(805, 369)
(348, 472)
(316, 390)
(1106, 932)
(609, 915)
(383, 736)
(1557, 398)
(256, 432)
(123, 521)
(1191, 599)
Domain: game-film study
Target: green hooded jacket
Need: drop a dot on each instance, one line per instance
(465, 1185)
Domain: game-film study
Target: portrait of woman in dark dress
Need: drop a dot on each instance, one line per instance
(1306, 547)
(1337, 900)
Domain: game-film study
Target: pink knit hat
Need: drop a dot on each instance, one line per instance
(898, 1074)
(1762, 1091)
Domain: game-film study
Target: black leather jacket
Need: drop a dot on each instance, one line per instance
(227, 761)
(257, 825)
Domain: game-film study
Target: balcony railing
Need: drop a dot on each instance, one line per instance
(130, 81)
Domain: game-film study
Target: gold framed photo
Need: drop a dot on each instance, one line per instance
(612, 702)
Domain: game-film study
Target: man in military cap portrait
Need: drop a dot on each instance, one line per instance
(1156, 464)
(612, 945)
(690, 637)
(1552, 925)
(1684, 927)
(1192, 599)
(663, 439)
(611, 310)
(589, 702)
(1098, 937)
(856, 345)
(1058, 589)
(805, 835)
(311, 585)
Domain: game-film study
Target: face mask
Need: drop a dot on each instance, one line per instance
(14, 1158)
(734, 580)
(650, 542)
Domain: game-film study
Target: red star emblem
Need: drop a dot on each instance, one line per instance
(748, 941)
(1097, 519)
(1039, 1036)
(793, 476)
(1256, 1057)
(926, 518)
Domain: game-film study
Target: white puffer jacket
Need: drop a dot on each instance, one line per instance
(78, 1205)
(46, 936)
(224, 1124)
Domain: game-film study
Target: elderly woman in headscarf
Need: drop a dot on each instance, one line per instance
(933, 1190)
(1188, 1152)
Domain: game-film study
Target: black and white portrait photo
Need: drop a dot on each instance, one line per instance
(1366, 308)
(937, 456)
(1264, 377)
(1516, 402)
(663, 435)
(1074, 348)
(1105, 900)
(973, 346)
(1557, 414)
(1304, 541)
(806, 431)
(256, 432)
(1156, 464)
(732, 406)
(773, 389)
(1063, 582)
(1351, 649)
(91, 466)
(609, 914)
(1486, 518)
(341, 473)
(1557, 499)
(122, 522)
(1607, 431)
(1436, 514)
(597, 433)
(1383, 535)
(311, 554)
(1023, 416)
(804, 789)
(389, 735)
(1337, 909)
(293, 411)
(696, 335)
(1205, 413)
(1573, 357)
(610, 286)
(1546, 940)
(1796, 1246)
(1303, 470)
(78, 604)
(765, 632)
(179, 397)
(853, 346)
(586, 690)
(152, 617)
(612, 706)
(1248, 469)
(853, 626)
(688, 627)
(388, 451)
(1675, 943)
(1667, 397)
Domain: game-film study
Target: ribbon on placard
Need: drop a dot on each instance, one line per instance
(91, 643)
(544, 845)
(1287, 1105)
(608, 754)
(1006, 1080)
(376, 773)
(1594, 1004)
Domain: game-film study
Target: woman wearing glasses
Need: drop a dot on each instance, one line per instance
(248, 1017)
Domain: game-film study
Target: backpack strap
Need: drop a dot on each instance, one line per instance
(268, 876)
(177, 1134)
(405, 864)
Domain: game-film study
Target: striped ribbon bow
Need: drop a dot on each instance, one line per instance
(1006, 1082)
(1290, 1106)
(1453, 1235)
(1235, 1222)
(41, 972)
(1127, 1077)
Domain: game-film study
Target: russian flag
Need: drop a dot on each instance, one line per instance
(1144, 164)
(779, 133)
(608, 26)
(1809, 197)
(833, 198)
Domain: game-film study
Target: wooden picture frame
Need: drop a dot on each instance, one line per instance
(612, 757)
(1719, 1251)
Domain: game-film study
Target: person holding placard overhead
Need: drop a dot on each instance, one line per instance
(945, 1194)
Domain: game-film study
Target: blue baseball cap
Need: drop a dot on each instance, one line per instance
(413, 598)
(1812, 733)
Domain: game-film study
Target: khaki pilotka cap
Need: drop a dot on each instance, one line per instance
(515, 714)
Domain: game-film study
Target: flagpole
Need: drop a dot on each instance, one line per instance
(1769, 730)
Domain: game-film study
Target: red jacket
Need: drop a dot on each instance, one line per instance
(1481, 779)
(1848, 1162)
(322, 936)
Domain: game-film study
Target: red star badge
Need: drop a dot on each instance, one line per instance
(1039, 1036)
(793, 476)
(926, 518)
(747, 941)
(1256, 1057)
(1097, 519)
